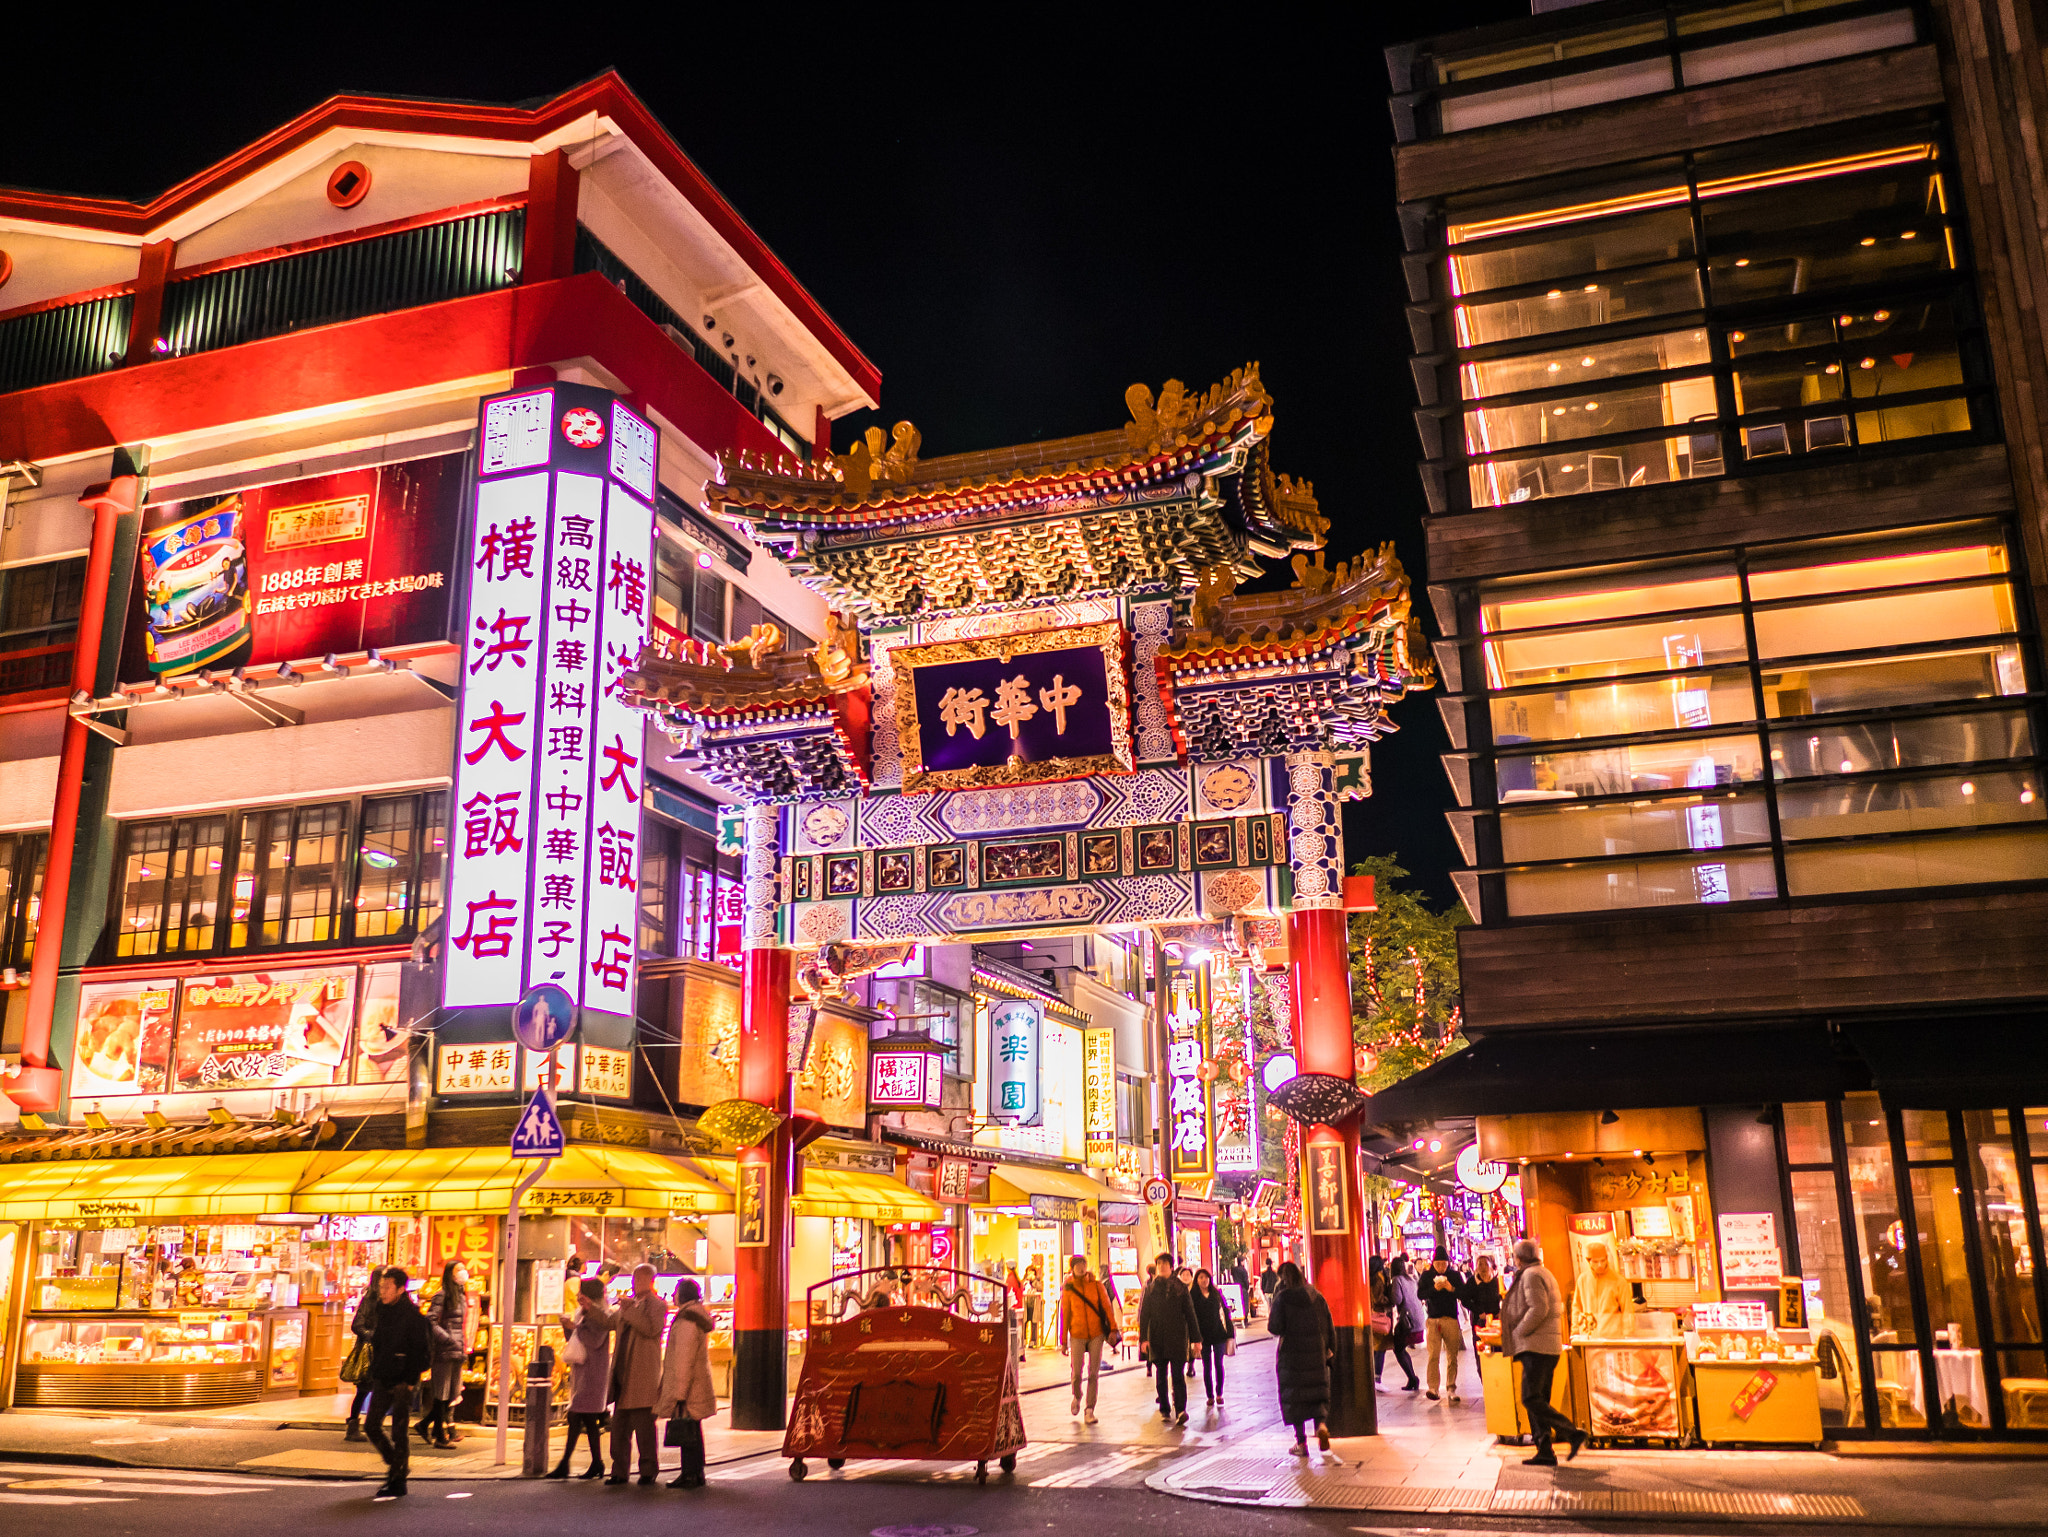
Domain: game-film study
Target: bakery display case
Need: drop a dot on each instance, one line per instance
(1753, 1383)
(135, 1360)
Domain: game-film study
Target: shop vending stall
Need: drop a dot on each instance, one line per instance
(1752, 1382)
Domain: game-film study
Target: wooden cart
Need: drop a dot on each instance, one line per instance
(909, 1382)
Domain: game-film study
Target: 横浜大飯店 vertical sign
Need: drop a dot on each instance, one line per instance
(544, 882)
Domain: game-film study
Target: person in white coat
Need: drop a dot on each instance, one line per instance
(686, 1398)
(1532, 1332)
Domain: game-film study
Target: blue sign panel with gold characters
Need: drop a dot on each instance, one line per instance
(1014, 709)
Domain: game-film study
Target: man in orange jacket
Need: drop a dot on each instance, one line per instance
(1090, 1322)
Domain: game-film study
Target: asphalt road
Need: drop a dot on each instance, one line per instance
(56, 1501)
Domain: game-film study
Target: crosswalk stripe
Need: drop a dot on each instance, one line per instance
(10, 1471)
(8, 1498)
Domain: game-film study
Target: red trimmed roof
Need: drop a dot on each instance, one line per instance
(608, 95)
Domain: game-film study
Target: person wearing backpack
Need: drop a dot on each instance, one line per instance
(1085, 1315)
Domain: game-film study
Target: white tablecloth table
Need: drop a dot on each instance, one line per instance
(1959, 1373)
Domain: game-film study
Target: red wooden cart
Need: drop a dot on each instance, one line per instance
(908, 1382)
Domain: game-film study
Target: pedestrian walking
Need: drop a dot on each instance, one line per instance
(1268, 1279)
(1186, 1276)
(363, 1325)
(1408, 1318)
(1300, 1320)
(401, 1348)
(636, 1377)
(587, 1346)
(1218, 1331)
(1013, 1286)
(1443, 1289)
(447, 1315)
(1167, 1329)
(1085, 1318)
(1532, 1332)
(687, 1398)
(1244, 1285)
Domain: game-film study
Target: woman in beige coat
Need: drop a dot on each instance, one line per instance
(686, 1398)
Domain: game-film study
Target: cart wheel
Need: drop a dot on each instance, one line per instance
(797, 1470)
(1009, 1463)
(981, 1472)
(835, 1463)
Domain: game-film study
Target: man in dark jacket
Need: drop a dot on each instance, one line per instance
(1442, 1286)
(1166, 1330)
(400, 1350)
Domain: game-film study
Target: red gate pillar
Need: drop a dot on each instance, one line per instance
(761, 1224)
(1320, 972)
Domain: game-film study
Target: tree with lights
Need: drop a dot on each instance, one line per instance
(1404, 980)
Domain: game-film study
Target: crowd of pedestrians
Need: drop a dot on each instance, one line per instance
(1429, 1307)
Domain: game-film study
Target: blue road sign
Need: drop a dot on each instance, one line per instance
(539, 1132)
(543, 1017)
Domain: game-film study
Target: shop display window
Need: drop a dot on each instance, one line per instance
(166, 1267)
(192, 1339)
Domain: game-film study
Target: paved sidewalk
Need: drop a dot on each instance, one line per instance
(1437, 1459)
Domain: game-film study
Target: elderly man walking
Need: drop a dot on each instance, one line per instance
(636, 1377)
(1532, 1331)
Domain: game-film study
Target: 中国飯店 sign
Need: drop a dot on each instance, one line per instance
(544, 883)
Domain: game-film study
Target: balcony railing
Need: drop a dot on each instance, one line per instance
(67, 342)
(343, 282)
(593, 255)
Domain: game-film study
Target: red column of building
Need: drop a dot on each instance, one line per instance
(145, 321)
(760, 1379)
(40, 1083)
(549, 250)
(1320, 970)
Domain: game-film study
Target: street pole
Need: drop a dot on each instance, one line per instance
(508, 1283)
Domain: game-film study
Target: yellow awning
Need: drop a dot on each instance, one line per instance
(212, 1185)
(477, 1179)
(850, 1193)
(1014, 1185)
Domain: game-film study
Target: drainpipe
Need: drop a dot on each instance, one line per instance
(39, 1083)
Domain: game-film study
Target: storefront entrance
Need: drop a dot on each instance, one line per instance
(1918, 1233)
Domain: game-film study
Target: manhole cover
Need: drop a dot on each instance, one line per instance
(925, 1529)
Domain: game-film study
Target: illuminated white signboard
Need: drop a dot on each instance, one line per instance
(544, 883)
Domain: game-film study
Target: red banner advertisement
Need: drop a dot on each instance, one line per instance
(1754, 1392)
(336, 564)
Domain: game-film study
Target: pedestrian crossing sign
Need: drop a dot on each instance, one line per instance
(539, 1132)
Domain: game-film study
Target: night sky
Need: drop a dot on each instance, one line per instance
(1015, 226)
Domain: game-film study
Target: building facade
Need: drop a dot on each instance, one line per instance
(1728, 361)
(239, 621)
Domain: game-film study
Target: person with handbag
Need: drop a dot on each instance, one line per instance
(1167, 1329)
(447, 1315)
(587, 1347)
(636, 1378)
(1218, 1331)
(687, 1398)
(363, 1325)
(1085, 1319)
(1404, 1314)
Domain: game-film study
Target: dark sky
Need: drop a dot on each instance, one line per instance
(1015, 218)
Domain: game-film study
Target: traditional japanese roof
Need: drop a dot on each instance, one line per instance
(1183, 486)
(766, 724)
(1316, 665)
